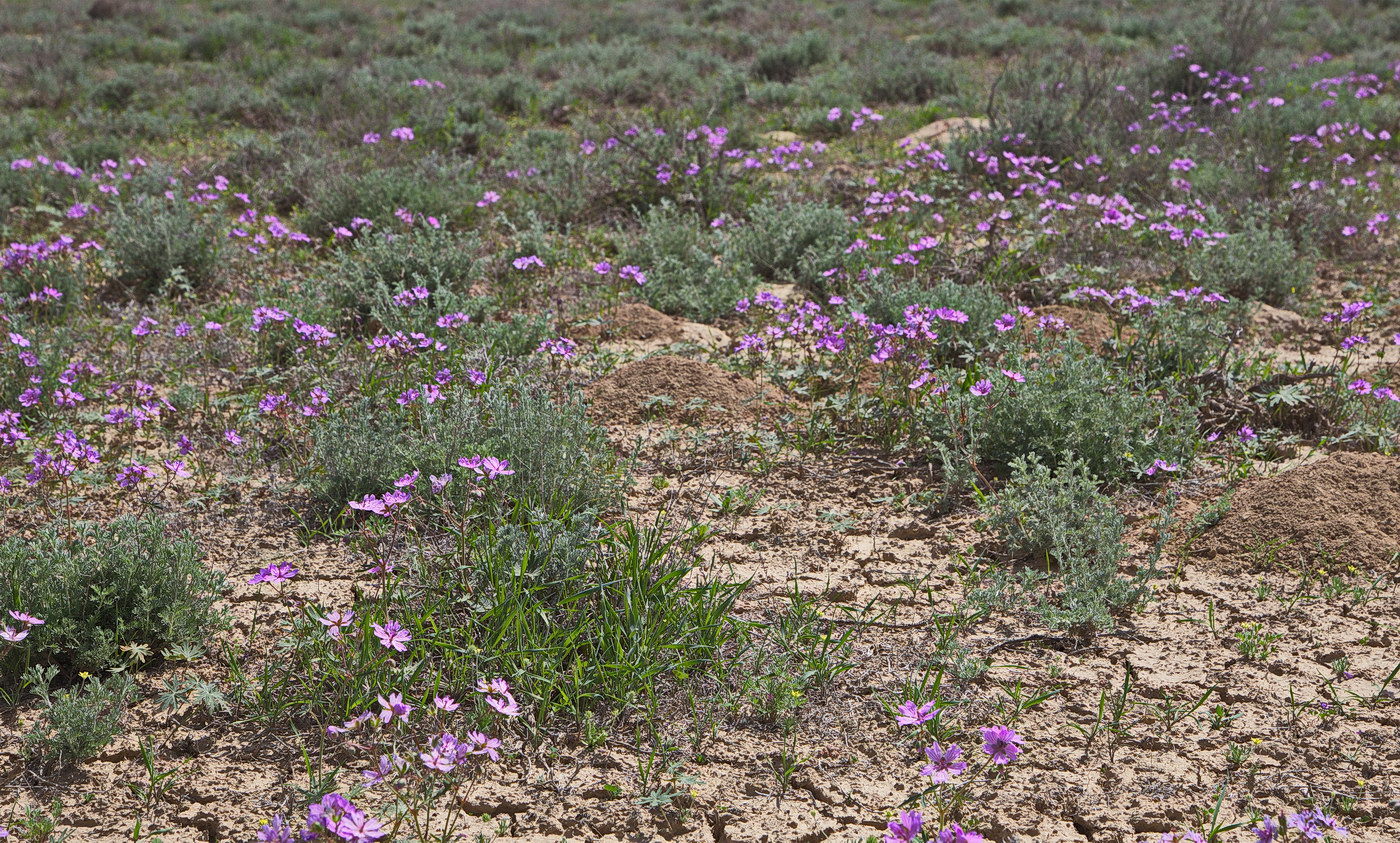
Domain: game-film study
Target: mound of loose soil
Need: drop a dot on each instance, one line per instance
(623, 395)
(632, 321)
(1090, 326)
(1346, 504)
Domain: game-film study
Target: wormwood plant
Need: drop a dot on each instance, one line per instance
(1070, 402)
(1257, 262)
(561, 458)
(77, 722)
(793, 242)
(690, 271)
(102, 587)
(153, 240)
(365, 280)
(1059, 520)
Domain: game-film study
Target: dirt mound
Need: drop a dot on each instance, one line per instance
(1090, 326)
(1346, 504)
(630, 321)
(684, 386)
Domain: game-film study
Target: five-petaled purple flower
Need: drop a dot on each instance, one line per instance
(1002, 743)
(392, 635)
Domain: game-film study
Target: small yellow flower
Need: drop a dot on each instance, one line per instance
(83, 674)
(1256, 740)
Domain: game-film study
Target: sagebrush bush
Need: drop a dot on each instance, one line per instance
(155, 241)
(690, 272)
(793, 242)
(560, 458)
(335, 195)
(1258, 262)
(78, 722)
(1071, 402)
(101, 587)
(884, 298)
(363, 280)
(785, 62)
(905, 73)
(1057, 518)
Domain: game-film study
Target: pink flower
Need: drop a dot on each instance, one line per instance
(913, 714)
(392, 636)
(982, 387)
(1002, 743)
(402, 133)
(394, 708)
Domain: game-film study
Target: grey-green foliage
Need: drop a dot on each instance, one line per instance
(433, 185)
(99, 587)
(363, 280)
(885, 296)
(77, 722)
(560, 458)
(689, 272)
(152, 240)
(785, 62)
(1257, 262)
(1057, 518)
(1071, 402)
(792, 242)
(904, 73)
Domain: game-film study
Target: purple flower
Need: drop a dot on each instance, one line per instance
(277, 573)
(494, 468)
(1001, 743)
(275, 830)
(1267, 831)
(498, 696)
(394, 708)
(393, 636)
(402, 133)
(905, 829)
(131, 476)
(1162, 465)
(436, 759)
(943, 763)
(1313, 824)
(913, 714)
(370, 137)
(338, 816)
(13, 636)
(336, 621)
(480, 744)
(982, 387)
(445, 703)
(380, 773)
(26, 618)
(957, 834)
